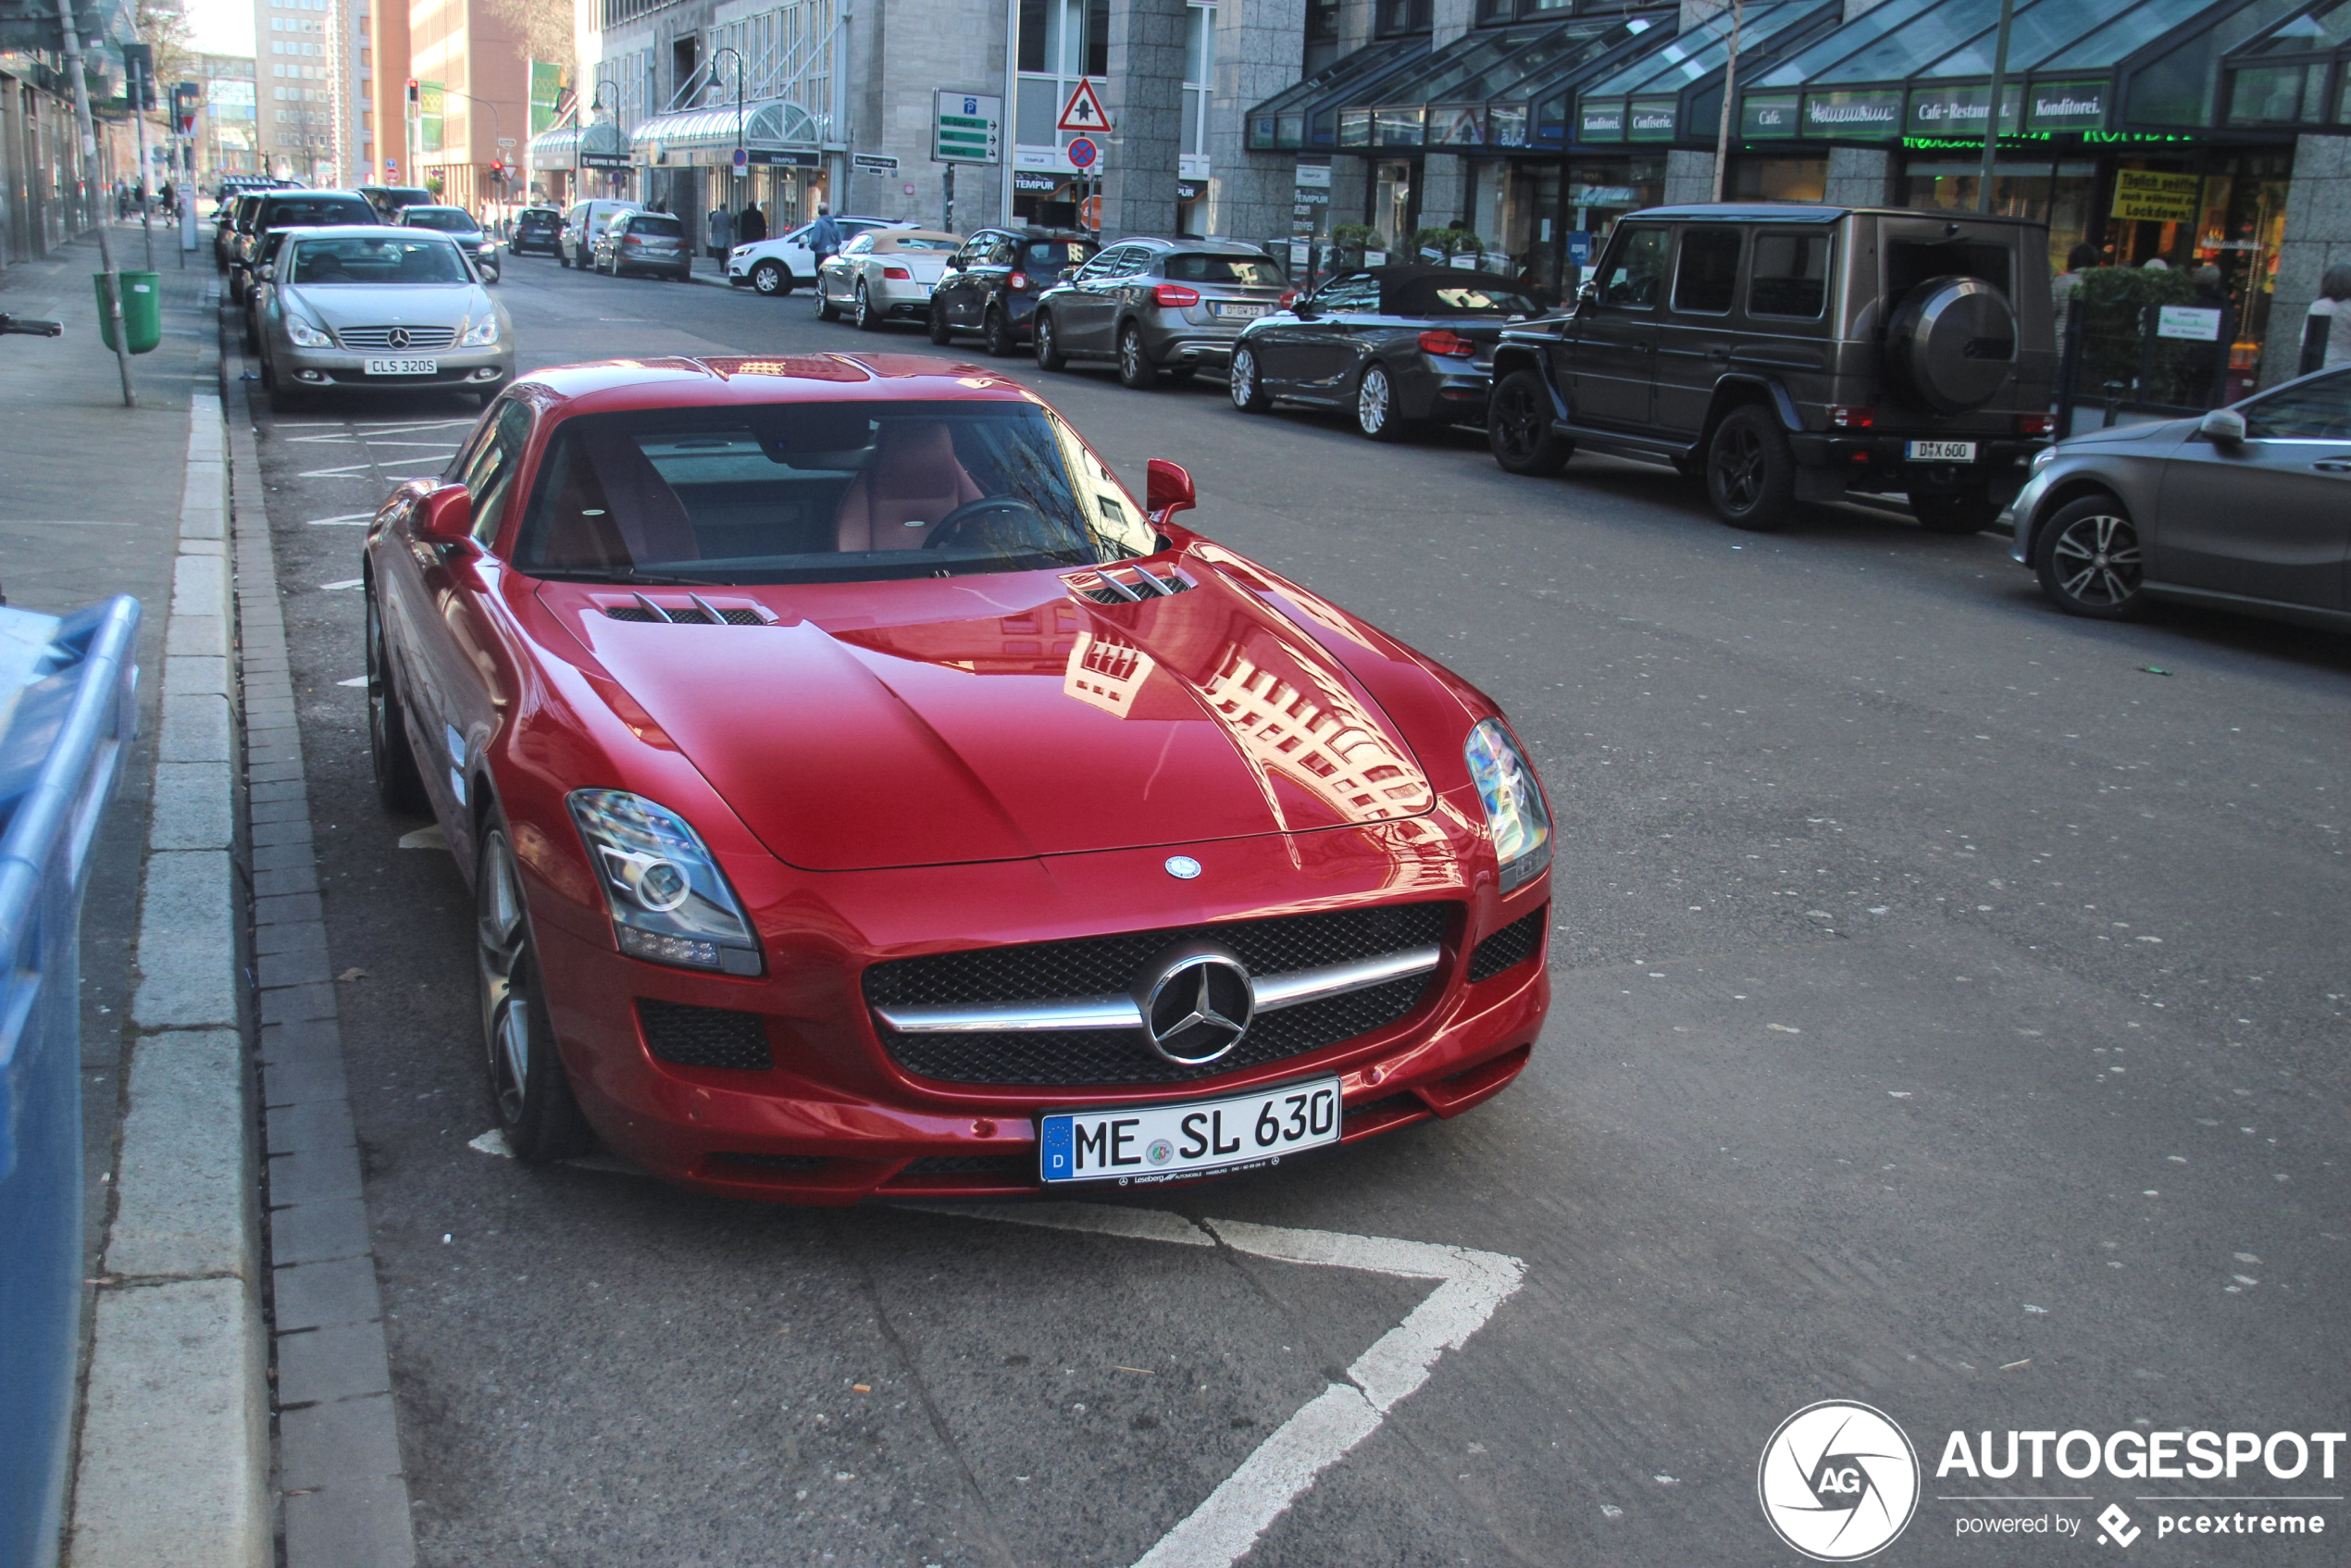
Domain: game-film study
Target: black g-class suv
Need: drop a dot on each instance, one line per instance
(1790, 354)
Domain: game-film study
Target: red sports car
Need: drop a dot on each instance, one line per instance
(864, 796)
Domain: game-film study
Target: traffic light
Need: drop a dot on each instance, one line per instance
(139, 76)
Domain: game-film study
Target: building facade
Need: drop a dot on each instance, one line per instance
(228, 129)
(309, 89)
(471, 115)
(49, 191)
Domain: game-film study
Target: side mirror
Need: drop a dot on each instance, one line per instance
(2222, 427)
(268, 273)
(446, 515)
(1168, 489)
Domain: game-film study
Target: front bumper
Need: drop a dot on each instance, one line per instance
(475, 368)
(836, 1119)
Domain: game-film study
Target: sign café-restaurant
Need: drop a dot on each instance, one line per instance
(2147, 127)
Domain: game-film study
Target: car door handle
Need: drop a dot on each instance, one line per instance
(2333, 464)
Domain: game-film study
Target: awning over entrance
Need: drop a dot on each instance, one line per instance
(1673, 92)
(1921, 71)
(773, 132)
(1395, 114)
(572, 146)
(2280, 76)
(1523, 102)
(1306, 116)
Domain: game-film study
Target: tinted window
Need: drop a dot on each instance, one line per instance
(1439, 296)
(359, 260)
(1052, 255)
(657, 223)
(1909, 263)
(1790, 275)
(491, 475)
(448, 221)
(310, 212)
(1635, 274)
(1708, 277)
(909, 242)
(823, 492)
(1247, 271)
(2317, 410)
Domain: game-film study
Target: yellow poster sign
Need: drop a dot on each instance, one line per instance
(2156, 198)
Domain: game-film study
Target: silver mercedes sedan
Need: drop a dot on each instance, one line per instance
(347, 309)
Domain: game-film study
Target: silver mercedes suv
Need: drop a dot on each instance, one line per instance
(1156, 304)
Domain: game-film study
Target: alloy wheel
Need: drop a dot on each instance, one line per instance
(1243, 378)
(864, 315)
(1519, 426)
(2095, 561)
(996, 336)
(1135, 367)
(1738, 467)
(1374, 402)
(501, 946)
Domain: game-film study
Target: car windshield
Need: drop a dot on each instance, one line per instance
(823, 492)
(369, 260)
(1439, 296)
(1250, 271)
(449, 220)
(315, 212)
(1051, 256)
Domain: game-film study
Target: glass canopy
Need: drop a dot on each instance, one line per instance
(1306, 115)
(1655, 97)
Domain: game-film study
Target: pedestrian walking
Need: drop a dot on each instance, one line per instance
(722, 232)
(824, 235)
(751, 227)
(2063, 287)
(2326, 330)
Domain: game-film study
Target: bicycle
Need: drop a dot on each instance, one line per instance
(20, 326)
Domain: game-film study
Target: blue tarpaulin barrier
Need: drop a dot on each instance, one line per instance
(68, 708)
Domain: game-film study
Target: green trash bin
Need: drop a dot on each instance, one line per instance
(142, 309)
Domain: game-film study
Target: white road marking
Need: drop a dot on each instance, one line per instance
(348, 471)
(354, 681)
(432, 837)
(339, 587)
(1224, 1528)
(347, 519)
(434, 445)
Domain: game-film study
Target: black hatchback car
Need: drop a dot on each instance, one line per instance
(991, 284)
(1397, 347)
(537, 228)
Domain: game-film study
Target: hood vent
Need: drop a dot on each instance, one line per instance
(1127, 584)
(698, 611)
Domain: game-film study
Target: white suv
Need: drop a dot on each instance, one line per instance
(775, 267)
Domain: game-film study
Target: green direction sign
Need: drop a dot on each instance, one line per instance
(967, 127)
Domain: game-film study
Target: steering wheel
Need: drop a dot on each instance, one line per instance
(1006, 517)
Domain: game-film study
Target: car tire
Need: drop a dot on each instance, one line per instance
(529, 1088)
(868, 318)
(563, 255)
(825, 310)
(400, 785)
(940, 332)
(1248, 388)
(1954, 512)
(1135, 371)
(1750, 473)
(1518, 427)
(995, 335)
(1375, 412)
(2089, 560)
(771, 279)
(1048, 349)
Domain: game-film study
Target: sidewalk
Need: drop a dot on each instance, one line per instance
(97, 499)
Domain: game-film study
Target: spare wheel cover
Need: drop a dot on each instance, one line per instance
(1952, 343)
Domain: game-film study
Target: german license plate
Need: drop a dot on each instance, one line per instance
(1145, 1144)
(403, 366)
(1939, 451)
(1239, 312)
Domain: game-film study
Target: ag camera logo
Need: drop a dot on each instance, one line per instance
(1838, 1481)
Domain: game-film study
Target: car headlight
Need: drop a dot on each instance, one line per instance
(1514, 802)
(481, 334)
(669, 901)
(305, 335)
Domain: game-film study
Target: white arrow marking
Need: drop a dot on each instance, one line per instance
(347, 521)
(339, 587)
(354, 681)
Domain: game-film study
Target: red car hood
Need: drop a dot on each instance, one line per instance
(1046, 724)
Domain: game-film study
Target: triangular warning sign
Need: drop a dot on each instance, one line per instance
(1084, 111)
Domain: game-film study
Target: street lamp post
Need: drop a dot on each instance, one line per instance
(731, 49)
(1992, 116)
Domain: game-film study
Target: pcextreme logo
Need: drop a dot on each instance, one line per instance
(1838, 1481)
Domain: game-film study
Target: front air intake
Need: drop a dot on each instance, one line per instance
(705, 1036)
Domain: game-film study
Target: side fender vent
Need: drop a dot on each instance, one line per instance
(695, 611)
(1128, 584)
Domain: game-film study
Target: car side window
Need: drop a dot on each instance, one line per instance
(1636, 275)
(1706, 280)
(1359, 292)
(2316, 410)
(858, 246)
(1002, 253)
(491, 475)
(1790, 276)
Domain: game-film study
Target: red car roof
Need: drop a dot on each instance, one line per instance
(612, 385)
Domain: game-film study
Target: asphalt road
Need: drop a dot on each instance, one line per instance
(1951, 1001)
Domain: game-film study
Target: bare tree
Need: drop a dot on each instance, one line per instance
(541, 28)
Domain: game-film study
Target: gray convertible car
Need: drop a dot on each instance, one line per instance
(346, 309)
(2247, 508)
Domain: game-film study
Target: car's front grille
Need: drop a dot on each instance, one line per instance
(381, 337)
(1510, 946)
(1103, 965)
(705, 1036)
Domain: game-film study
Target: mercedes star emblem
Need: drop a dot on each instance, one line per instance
(397, 337)
(1197, 1002)
(1183, 867)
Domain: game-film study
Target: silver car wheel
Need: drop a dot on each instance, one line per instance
(1373, 402)
(2095, 561)
(1244, 378)
(500, 945)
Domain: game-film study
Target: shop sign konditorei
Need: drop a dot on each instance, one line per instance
(1602, 123)
(2066, 105)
